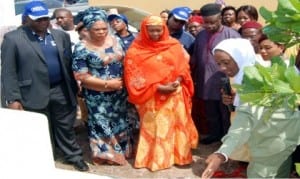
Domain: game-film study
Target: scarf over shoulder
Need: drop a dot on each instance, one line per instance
(150, 63)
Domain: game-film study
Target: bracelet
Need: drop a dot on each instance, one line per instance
(105, 84)
(10, 102)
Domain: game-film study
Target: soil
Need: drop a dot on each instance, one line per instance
(128, 171)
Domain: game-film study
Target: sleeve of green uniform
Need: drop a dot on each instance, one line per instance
(239, 132)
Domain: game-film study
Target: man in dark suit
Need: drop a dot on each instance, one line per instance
(37, 76)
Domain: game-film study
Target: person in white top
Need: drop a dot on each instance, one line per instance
(272, 141)
(64, 19)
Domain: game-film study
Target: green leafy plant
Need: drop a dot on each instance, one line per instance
(277, 86)
(283, 25)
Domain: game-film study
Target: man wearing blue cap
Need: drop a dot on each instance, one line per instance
(178, 17)
(119, 23)
(37, 76)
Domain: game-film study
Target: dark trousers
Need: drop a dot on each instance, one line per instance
(61, 116)
(198, 115)
(218, 118)
(296, 155)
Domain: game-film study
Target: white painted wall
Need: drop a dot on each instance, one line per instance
(7, 12)
(26, 150)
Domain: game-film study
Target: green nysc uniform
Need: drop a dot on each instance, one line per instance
(271, 142)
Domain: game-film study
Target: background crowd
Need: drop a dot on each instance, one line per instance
(151, 95)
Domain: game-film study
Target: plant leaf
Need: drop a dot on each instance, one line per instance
(266, 74)
(282, 87)
(291, 101)
(296, 4)
(293, 78)
(266, 14)
(287, 6)
(253, 74)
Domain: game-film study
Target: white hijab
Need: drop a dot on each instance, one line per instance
(242, 53)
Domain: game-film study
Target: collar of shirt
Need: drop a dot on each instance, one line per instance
(177, 34)
(39, 37)
(129, 34)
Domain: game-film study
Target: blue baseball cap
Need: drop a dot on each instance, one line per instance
(188, 10)
(180, 13)
(23, 18)
(111, 17)
(36, 10)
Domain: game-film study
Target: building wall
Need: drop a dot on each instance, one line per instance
(155, 6)
(7, 12)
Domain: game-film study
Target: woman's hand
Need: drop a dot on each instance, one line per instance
(168, 88)
(228, 99)
(79, 87)
(97, 84)
(176, 83)
(213, 163)
(106, 60)
(114, 84)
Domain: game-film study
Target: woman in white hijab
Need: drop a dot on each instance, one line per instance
(270, 142)
(232, 56)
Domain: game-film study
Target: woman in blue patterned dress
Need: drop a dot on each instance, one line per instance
(98, 66)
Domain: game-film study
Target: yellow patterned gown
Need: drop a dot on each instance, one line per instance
(166, 134)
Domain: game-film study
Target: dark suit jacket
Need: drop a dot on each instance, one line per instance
(24, 73)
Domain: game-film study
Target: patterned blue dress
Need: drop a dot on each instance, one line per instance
(108, 123)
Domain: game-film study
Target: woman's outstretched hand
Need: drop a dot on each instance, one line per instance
(213, 163)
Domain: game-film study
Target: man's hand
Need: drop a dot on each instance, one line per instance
(15, 105)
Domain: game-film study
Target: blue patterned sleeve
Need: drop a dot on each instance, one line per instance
(79, 59)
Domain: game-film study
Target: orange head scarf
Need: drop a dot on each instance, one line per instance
(149, 63)
(144, 41)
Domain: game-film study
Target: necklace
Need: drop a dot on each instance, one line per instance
(98, 49)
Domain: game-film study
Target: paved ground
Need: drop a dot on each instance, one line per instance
(192, 171)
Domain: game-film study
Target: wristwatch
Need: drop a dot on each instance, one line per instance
(9, 102)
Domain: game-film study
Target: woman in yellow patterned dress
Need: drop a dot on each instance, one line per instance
(158, 81)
